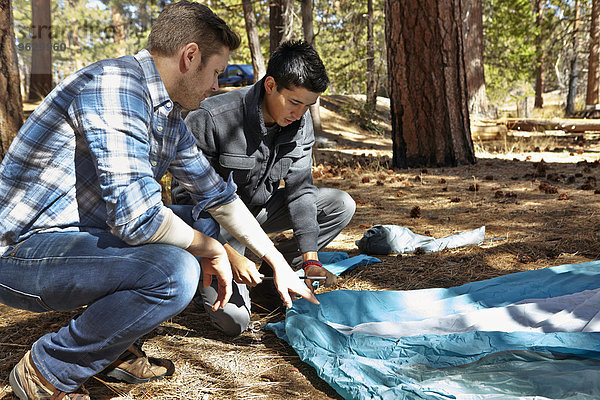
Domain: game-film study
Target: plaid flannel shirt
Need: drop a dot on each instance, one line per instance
(91, 156)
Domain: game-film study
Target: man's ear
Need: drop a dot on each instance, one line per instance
(188, 55)
(270, 84)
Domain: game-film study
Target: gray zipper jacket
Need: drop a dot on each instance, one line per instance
(231, 132)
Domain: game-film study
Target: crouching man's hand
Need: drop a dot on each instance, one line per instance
(286, 280)
(244, 270)
(214, 262)
(313, 267)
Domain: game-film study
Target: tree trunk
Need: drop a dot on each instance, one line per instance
(281, 22)
(593, 67)
(473, 36)
(309, 37)
(371, 96)
(11, 103)
(573, 75)
(427, 83)
(307, 22)
(118, 27)
(74, 42)
(539, 57)
(258, 61)
(41, 50)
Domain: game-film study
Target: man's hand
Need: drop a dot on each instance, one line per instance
(312, 267)
(286, 279)
(244, 270)
(214, 262)
(319, 270)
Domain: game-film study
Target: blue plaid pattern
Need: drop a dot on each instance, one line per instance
(91, 155)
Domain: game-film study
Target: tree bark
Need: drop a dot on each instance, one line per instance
(11, 103)
(41, 50)
(74, 42)
(309, 37)
(427, 83)
(539, 58)
(307, 22)
(258, 61)
(591, 97)
(281, 21)
(573, 75)
(371, 95)
(473, 38)
(118, 28)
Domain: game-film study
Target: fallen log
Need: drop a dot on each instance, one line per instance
(540, 125)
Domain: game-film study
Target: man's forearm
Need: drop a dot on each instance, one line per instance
(241, 224)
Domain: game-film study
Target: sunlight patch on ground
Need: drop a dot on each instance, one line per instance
(339, 127)
(343, 242)
(365, 152)
(538, 156)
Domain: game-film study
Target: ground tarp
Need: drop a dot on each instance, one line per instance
(529, 335)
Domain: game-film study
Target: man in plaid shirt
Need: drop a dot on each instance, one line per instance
(82, 221)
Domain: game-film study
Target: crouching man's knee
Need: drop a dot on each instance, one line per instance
(231, 320)
(234, 318)
(347, 204)
(181, 274)
(338, 205)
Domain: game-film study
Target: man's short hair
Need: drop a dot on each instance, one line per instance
(186, 22)
(296, 63)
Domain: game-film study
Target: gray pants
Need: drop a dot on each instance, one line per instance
(335, 209)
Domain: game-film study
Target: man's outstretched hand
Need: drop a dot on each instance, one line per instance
(286, 280)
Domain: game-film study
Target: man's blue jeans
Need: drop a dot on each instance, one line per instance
(128, 291)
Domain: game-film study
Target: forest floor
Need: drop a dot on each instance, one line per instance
(537, 197)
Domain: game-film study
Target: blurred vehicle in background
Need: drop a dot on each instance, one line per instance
(237, 75)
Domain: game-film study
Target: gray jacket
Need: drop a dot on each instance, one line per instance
(231, 132)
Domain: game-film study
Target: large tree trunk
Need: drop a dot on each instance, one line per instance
(11, 103)
(281, 22)
(573, 75)
(473, 36)
(41, 50)
(539, 57)
(427, 83)
(371, 95)
(593, 67)
(258, 61)
(309, 36)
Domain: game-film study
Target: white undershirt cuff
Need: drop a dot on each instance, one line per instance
(173, 230)
(241, 224)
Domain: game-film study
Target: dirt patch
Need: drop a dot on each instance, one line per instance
(538, 214)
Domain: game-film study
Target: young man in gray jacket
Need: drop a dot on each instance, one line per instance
(262, 134)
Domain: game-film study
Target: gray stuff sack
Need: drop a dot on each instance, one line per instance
(394, 239)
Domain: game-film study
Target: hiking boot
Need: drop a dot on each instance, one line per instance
(133, 366)
(28, 384)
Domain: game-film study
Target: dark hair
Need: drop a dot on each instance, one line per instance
(296, 63)
(186, 22)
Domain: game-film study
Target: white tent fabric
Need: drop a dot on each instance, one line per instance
(578, 312)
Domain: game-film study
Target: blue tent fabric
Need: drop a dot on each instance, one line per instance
(349, 339)
(338, 262)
